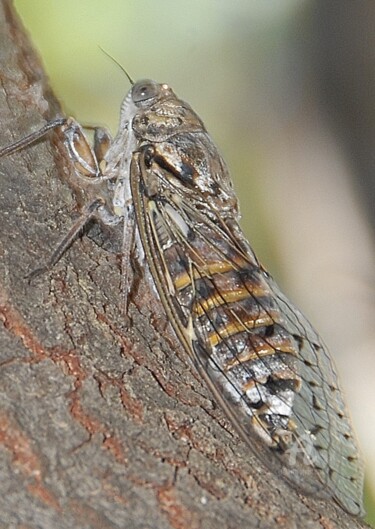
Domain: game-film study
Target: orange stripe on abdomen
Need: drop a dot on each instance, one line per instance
(236, 310)
(207, 270)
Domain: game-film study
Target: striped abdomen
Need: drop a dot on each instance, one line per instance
(238, 330)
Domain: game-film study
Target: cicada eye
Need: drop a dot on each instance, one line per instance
(143, 91)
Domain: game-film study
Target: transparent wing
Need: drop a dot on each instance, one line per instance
(260, 356)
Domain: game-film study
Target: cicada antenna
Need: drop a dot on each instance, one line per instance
(118, 64)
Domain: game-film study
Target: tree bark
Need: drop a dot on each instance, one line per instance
(103, 424)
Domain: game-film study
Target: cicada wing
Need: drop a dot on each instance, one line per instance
(259, 355)
(319, 409)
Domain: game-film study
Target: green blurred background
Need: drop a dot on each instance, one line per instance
(286, 90)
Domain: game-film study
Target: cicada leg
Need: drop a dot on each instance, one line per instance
(87, 214)
(88, 164)
(33, 137)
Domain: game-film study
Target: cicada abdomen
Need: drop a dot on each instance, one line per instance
(257, 352)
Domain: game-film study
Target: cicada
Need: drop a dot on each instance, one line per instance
(163, 177)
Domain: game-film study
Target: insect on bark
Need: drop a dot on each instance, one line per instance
(163, 177)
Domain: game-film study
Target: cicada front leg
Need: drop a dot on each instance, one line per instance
(88, 161)
(102, 143)
(88, 166)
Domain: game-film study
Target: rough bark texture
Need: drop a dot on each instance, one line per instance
(103, 426)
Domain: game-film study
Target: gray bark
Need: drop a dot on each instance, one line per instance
(103, 425)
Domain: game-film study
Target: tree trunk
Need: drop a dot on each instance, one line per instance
(102, 423)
